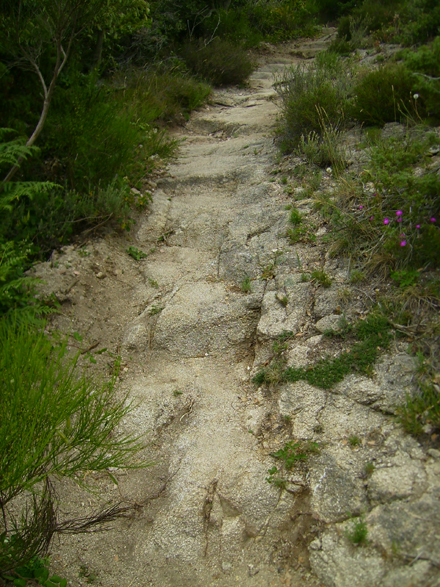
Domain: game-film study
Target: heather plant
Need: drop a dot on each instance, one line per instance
(397, 223)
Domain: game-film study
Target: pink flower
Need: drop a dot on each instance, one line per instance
(399, 219)
(360, 207)
(433, 219)
(399, 213)
(417, 225)
(402, 243)
(371, 217)
(386, 221)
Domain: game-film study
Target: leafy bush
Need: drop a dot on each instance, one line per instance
(385, 95)
(221, 63)
(54, 422)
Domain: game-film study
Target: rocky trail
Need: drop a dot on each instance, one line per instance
(191, 340)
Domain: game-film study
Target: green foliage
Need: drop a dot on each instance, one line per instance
(293, 452)
(354, 440)
(136, 254)
(421, 409)
(54, 421)
(322, 278)
(246, 285)
(374, 335)
(221, 62)
(399, 221)
(252, 22)
(358, 532)
(385, 95)
(425, 67)
(307, 95)
(295, 217)
(35, 572)
(405, 278)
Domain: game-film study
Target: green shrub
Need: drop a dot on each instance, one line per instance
(385, 95)
(425, 65)
(378, 14)
(54, 422)
(397, 225)
(307, 96)
(221, 62)
(93, 136)
(160, 96)
(255, 22)
(420, 21)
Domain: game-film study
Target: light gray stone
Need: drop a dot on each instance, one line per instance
(339, 564)
(302, 403)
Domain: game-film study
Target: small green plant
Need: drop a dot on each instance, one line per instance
(354, 440)
(369, 469)
(405, 278)
(322, 278)
(358, 532)
(83, 252)
(305, 277)
(292, 452)
(136, 254)
(268, 271)
(35, 572)
(154, 310)
(295, 217)
(246, 285)
(153, 283)
(177, 392)
(284, 300)
(85, 573)
(357, 276)
(301, 233)
(276, 479)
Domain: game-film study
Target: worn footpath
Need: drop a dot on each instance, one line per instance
(191, 339)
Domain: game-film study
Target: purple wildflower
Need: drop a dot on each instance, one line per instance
(386, 221)
(403, 243)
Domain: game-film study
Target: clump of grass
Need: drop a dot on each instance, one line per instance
(358, 532)
(246, 285)
(369, 469)
(357, 276)
(306, 93)
(354, 440)
(295, 217)
(322, 278)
